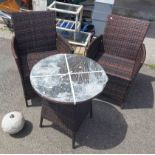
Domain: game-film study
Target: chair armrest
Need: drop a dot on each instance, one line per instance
(62, 45)
(143, 49)
(139, 60)
(94, 47)
(14, 48)
(15, 55)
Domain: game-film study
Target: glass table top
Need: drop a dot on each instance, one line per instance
(78, 38)
(65, 7)
(68, 78)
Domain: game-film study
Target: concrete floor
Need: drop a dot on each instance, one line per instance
(112, 130)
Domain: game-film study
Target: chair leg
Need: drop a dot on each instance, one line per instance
(125, 96)
(27, 2)
(123, 102)
(26, 102)
(30, 4)
(41, 122)
(91, 110)
(73, 141)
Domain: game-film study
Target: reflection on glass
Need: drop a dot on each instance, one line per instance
(73, 36)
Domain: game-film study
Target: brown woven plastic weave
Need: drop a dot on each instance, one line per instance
(35, 38)
(121, 52)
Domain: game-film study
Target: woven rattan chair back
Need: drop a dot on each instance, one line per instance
(123, 36)
(35, 31)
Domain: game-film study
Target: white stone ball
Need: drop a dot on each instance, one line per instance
(13, 122)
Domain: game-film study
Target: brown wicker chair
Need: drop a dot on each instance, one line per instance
(121, 52)
(35, 38)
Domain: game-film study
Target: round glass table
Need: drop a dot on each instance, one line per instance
(68, 83)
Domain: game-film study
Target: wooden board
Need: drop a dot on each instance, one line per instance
(79, 50)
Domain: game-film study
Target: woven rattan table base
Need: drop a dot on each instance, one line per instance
(66, 117)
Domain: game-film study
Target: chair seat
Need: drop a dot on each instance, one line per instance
(29, 60)
(117, 66)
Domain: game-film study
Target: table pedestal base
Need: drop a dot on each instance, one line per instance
(67, 117)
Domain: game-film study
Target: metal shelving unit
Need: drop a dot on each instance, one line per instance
(71, 9)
